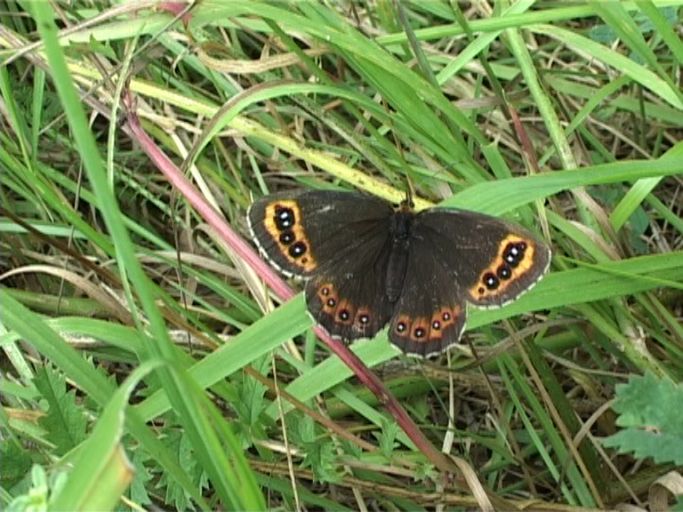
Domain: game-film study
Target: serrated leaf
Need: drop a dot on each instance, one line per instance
(661, 447)
(138, 487)
(64, 422)
(351, 449)
(649, 408)
(648, 400)
(322, 459)
(101, 471)
(16, 463)
(387, 438)
(304, 430)
(178, 444)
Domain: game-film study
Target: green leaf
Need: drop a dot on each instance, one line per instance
(16, 463)
(322, 459)
(178, 443)
(650, 410)
(64, 422)
(387, 438)
(101, 471)
(36, 497)
(138, 487)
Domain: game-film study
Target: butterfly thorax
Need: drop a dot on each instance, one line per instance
(401, 223)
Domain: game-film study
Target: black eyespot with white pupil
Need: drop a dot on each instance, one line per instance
(401, 327)
(446, 316)
(331, 302)
(284, 218)
(420, 332)
(344, 315)
(514, 253)
(436, 325)
(504, 272)
(286, 237)
(364, 319)
(297, 249)
(491, 281)
(325, 291)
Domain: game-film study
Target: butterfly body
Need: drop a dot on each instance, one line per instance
(369, 264)
(397, 265)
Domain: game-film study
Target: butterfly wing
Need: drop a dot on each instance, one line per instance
(340, 241)
(430, 313)
(492, 261)
(456, 257)
(301, 232)
(347, 296)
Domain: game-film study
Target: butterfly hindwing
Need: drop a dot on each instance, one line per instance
(491, 260)
(431, 312)
(347, 296)
(300, 232)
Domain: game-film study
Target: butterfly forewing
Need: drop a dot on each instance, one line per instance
(492, 261)
(302, 231)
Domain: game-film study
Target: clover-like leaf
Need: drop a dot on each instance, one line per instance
(650, 413)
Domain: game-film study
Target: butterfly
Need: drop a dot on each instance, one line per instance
(368, 263)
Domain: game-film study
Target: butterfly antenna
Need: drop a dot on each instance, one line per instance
(410, 192)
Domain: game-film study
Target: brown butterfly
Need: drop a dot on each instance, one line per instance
(368, 263)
